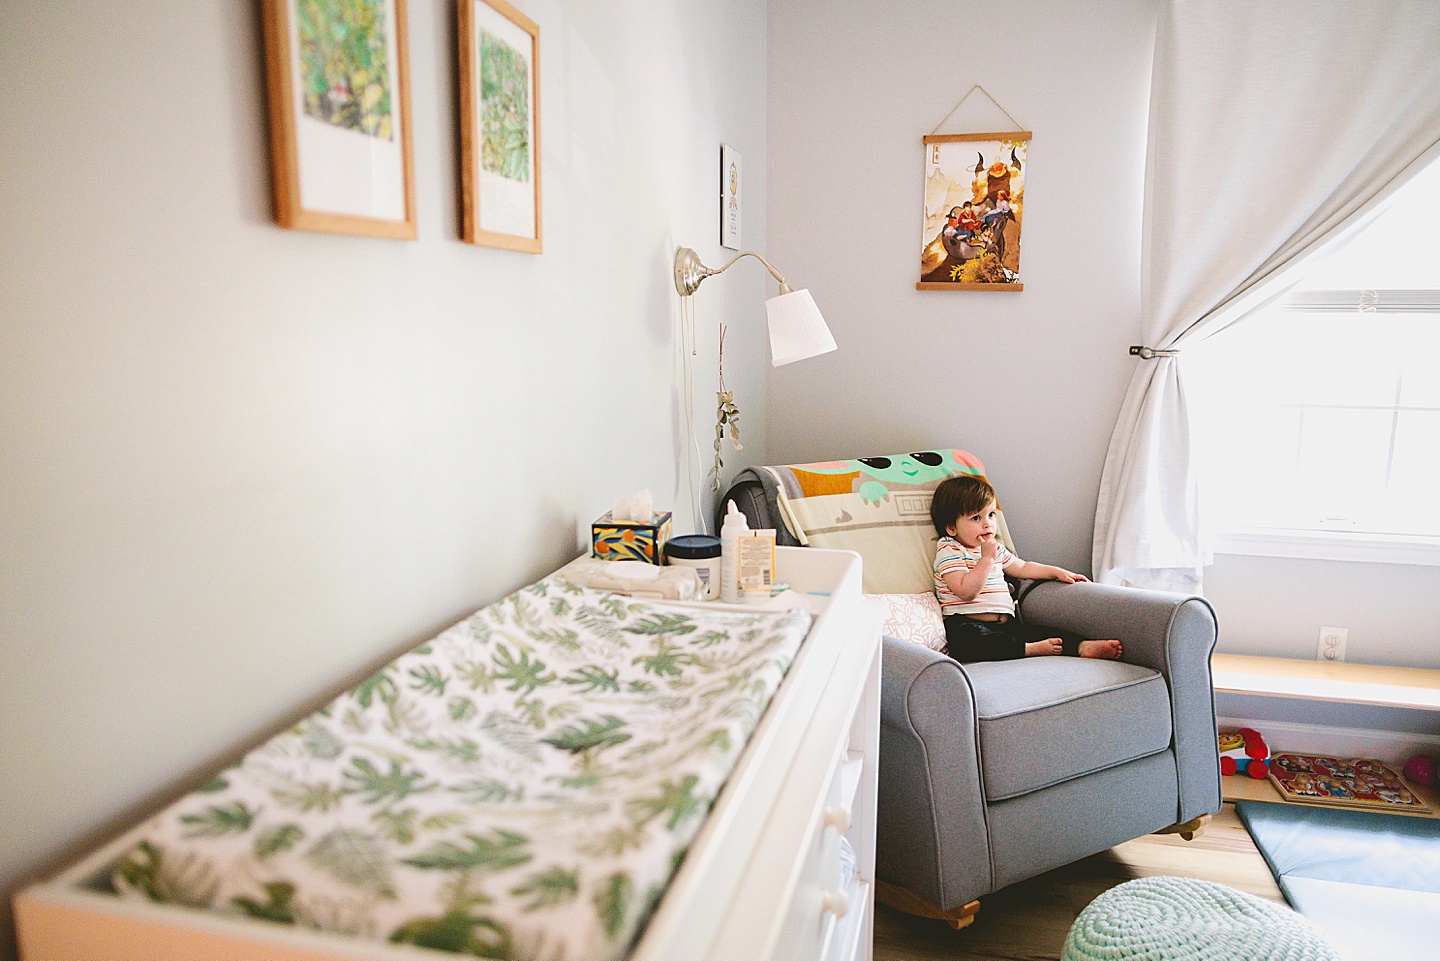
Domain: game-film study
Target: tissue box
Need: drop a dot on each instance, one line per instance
(615, 540)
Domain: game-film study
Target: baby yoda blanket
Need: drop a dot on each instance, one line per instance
(876, 506)
(523, 786)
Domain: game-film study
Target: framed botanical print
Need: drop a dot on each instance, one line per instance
(338, 86)
(974, 209)
(729, 197)
(499, 126)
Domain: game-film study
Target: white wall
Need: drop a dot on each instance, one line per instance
(1275, 607)
(241, 465)
(1030, 381)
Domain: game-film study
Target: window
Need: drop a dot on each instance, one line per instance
(1317, 418)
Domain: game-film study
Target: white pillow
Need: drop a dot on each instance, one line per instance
(912, 617)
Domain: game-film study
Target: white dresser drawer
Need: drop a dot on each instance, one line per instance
(822, 898)
(766, 886)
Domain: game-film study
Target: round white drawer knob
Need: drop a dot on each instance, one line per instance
(836, 903)
(838, 818)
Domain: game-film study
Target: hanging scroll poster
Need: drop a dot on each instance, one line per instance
(974, 208)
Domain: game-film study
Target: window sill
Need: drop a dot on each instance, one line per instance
(1345, 682)
(1332, 546)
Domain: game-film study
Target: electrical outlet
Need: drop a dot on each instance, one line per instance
(1331, 646)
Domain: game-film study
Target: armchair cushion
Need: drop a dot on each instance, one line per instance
(1046, 720)
(1169, 633)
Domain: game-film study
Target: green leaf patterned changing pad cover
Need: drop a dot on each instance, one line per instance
(523, 786)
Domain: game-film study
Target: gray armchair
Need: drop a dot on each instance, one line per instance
(995, 772)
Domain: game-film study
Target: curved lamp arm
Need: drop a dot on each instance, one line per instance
(689, 271)
(797, 330)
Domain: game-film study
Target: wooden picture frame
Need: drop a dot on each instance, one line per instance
(973, 206)
(499, 126)
(338, 86)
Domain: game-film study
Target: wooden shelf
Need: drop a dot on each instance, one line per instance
(1239, 787)
(1409, 687)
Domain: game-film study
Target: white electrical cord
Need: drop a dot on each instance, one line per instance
(688, 345)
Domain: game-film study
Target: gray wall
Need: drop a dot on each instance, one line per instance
(241, 465)
(1275, 607)
(1029, 381)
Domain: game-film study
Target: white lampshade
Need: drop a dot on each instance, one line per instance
(797, 330)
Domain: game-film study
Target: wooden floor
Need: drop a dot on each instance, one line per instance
(1028, 921)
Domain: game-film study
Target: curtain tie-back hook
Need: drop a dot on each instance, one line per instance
(1150, 353)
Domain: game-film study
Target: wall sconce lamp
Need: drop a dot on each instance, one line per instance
(797, 331)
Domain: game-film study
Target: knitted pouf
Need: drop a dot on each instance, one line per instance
(1182, 919)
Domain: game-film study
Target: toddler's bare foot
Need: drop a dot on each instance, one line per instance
(1110, 650)
(1051, 645)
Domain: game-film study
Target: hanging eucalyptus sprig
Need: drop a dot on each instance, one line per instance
(727, 416)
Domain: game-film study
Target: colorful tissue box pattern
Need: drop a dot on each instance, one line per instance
(615, 540)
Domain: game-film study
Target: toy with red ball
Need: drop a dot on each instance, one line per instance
(1244, 752)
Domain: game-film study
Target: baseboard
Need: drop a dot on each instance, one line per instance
(1392, 747)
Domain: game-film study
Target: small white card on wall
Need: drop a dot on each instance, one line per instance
(729, 197)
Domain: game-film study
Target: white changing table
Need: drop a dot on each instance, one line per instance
(760, 881)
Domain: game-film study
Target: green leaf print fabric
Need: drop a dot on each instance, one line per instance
(521, 787)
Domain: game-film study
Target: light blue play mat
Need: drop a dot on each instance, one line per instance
(1369, 880)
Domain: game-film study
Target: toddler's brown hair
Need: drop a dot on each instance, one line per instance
(958, 496)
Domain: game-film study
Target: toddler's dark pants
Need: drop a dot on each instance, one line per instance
(968, 640)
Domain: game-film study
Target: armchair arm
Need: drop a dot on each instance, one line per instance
(756, 495)
(1173, 634)
(929, 778)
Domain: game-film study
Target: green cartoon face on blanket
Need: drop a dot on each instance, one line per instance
(874, 477)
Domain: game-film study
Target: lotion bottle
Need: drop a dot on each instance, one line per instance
(735, 523)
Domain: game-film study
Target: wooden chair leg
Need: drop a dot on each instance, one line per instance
(900, 899)
(1190, 829)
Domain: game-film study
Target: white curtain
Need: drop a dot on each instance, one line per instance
(1276, 129)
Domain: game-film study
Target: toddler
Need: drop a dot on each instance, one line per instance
(970, 569)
